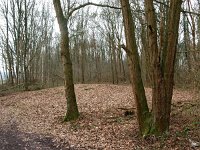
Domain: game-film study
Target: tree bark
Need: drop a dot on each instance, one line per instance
(162, 70)
(174, 18)
(143, 115)
(25, 49)
(8, 51)
(163, 67)
(72, 108)
(1, 76)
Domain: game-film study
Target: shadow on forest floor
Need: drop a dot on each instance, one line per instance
(13, 139)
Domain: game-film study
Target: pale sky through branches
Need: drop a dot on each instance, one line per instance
(39, 4)
(52, 12)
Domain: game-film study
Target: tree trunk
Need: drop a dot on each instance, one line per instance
(114, 59)
(174, 17)
(186, 42)
(8, 51)
(163, 74)
(111, 60)
(1, 76)
(82, 60)
(143, 115)
(25, 49)
(72, 109)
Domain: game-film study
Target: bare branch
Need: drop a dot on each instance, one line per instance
(190, 12)
(129, 53)
(89, 3)
(182, 10)
(190, 51)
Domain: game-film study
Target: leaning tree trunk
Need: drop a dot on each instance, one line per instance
(143, 115)
(72, 109)
(163, 68)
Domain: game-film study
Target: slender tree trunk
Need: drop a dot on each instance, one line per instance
(143, 115)
(82, 61)
(1, 76)
(19, 11)
(72, 108)
(114, 59)
(186, 41)
(123, 68)
(193, 28)
(8, 51)
(174, 18)
(25, 49)
(111, 61)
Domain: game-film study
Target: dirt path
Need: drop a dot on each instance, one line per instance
(13, 139)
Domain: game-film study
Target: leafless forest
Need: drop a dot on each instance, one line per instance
(30, 43)
(87, 68)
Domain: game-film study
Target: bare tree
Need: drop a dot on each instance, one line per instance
(72, 108)
(156, 122)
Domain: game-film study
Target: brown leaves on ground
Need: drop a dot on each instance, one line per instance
(102, 123)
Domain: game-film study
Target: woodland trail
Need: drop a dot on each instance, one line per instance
(13, 139)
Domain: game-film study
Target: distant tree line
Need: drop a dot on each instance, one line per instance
(30, 44)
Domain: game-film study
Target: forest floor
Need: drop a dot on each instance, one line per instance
(33, 120)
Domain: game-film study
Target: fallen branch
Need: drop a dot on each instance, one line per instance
(122, 108)
(128, 111)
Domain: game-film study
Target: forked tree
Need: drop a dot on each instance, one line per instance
(162, 63)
